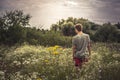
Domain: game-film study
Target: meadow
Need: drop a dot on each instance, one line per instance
(29, 62)
(32, 53)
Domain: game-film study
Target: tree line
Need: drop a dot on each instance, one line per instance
(106, 32)
(14, 29)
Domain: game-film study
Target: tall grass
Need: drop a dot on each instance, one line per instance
(29, 62)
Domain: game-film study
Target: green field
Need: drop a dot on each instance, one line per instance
(27, 62)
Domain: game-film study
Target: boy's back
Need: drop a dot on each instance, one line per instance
(81, 42)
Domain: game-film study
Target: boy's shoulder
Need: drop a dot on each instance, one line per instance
(86, 35)
(74, 37)
(83, 35)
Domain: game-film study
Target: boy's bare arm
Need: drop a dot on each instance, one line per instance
(74, 49)
(89, 48)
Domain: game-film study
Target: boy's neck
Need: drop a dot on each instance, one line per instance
(80, 33)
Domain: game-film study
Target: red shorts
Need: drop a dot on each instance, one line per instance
(80, 61)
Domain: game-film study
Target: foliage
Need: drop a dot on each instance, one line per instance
(68, 29)
(11, 27)
(67, 26)
(28, 62)
(107, 33)
(101, 33)
(118, 25)
(46, 38)
(14, 30)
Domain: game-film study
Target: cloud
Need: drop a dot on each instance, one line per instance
(106, 10)
(49, 11)
(70, 3)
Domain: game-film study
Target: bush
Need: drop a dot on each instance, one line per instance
(107, 33)
(47, 38)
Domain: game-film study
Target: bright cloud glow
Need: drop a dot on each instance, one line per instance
(72, 3)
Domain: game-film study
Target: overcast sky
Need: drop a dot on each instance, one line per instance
(47, 12)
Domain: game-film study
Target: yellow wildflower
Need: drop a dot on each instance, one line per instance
(55, 53)
(57, 46)
(54, 48)
(60, 48)
(50, 49)
(46, 61)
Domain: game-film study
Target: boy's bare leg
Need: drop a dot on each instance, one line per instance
(77, 74)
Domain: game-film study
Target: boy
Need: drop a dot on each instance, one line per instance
(81, 46)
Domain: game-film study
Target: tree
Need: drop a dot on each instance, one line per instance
(107, 33)
(68, 29)
(15, 34)
(55, 27)
(67, 26)
(60, 22)
(94, 26)
(12, 25)
(118, 25)
(70, 19)
(16, 17)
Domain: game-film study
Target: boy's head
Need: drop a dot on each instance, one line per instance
(78, 28)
